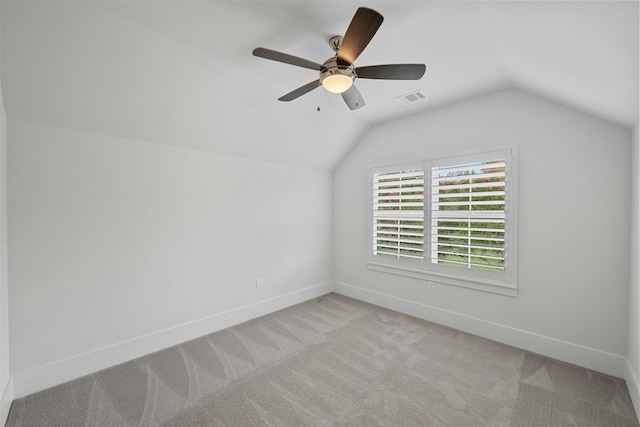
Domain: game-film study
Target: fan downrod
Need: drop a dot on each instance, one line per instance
(335, 42)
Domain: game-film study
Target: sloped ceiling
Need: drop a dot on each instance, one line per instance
(182, 73)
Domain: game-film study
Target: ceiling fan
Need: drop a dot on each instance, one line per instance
(338, 73)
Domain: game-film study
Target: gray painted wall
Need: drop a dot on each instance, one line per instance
(574, 175)
(6, 390)
(633, 365)
(121, 247)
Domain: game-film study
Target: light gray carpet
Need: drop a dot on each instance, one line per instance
(335, 361)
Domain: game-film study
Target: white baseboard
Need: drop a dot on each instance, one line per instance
(631, 377)
(60, 371)
(5, 401)
(576, 354)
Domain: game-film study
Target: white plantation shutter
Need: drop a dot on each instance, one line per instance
(451, 220)
(398, 213)
(467, 212)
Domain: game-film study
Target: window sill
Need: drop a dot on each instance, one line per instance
(477, 284)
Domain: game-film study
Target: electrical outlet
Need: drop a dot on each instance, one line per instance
(258, 282)
(431, 286)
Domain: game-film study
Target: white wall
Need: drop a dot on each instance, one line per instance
(574, 226)
(122, 247)
(633, 363)
(6, 389)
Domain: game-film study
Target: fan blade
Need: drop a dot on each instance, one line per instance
(391, 72)
(361, 30)
(300, 91)
(352, 98)
(287, 59)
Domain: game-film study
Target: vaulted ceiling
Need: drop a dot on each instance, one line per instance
(182, 72)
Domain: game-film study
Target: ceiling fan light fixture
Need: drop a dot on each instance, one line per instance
(337, 83)
(336, 78)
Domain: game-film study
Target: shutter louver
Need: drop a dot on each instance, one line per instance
(398, 214)
(468, 215)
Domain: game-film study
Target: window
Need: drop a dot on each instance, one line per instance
(451, 220)
(398, 213)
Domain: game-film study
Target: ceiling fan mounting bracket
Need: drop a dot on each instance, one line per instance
(335, 42)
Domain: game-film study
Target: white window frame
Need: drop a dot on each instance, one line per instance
(504, 283)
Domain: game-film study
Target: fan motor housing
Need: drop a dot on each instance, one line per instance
(332, 68)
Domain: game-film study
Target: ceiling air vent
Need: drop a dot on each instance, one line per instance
(410, 97)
